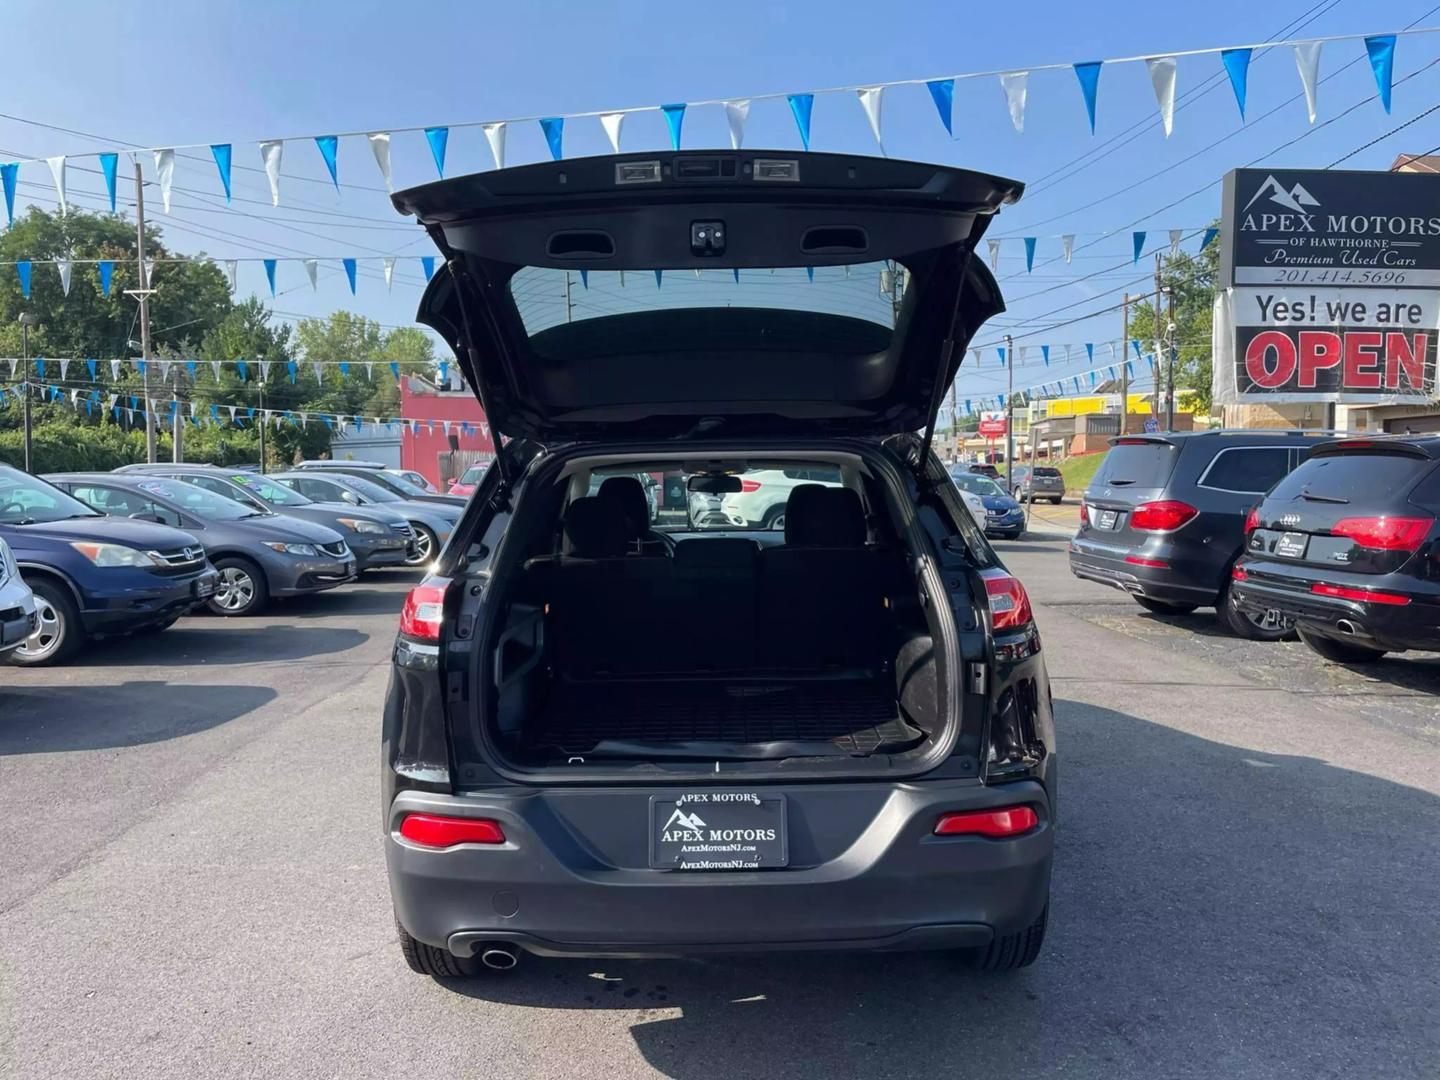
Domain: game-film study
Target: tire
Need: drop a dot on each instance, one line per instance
(427, 546)
(437, 963)
(1164, 607)
(1244, 626)
(241, 590)
(1056, 501)
(1014, 951)
(1341, 652)
(60, 633)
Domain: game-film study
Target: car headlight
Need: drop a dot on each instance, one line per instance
(114, 554)
(307, 550)
(360, 525)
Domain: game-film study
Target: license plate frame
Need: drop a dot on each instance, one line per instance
(714, 831)
(1291, 545)
(202, 588)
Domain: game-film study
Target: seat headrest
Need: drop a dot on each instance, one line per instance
(629, 494)
(594, 528)
(819, 516)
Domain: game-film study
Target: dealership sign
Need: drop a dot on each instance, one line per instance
(992, 426)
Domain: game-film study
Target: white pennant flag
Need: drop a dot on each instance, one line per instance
(1307, 60)
(149, 273)
(871, 99)
(495, 136)
(215, 367)
(64, 367)
(1067, 243)
(114, 369)
(994, 246)
(63, 265)
(1162, 78)
(164, 370)
(611, 122)
(312, 268)
(446, 425)
(165, 174)
(232, 412)
(370, 371)
(74, 397)
(1112, 349)
(231, 268)
(1067, 353)
(264, 370)
(736, 113)
(1175, 236)
(389, 262)
(270, 153)
(57, 170)
(15, 362)
(1014, 84)
(380, 147)
(319, 371)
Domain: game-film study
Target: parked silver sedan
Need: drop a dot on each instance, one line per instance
(17, 604)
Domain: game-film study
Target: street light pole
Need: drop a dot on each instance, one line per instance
(27, 320)
(1010, 413)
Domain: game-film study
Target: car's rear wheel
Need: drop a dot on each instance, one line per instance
(1014, 951)
(1164, 607)
(241, 588)
(1341, 652)
(425, 546)
(428, 960)
(59, 632)
(1056, 501)
(1270, 626)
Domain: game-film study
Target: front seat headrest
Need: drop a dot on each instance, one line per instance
(819, 516)
(629, 494)
(594, 528)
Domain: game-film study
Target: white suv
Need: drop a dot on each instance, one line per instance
(760, 504)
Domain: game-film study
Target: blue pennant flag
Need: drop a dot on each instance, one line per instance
(1089, 76)
(438, 138)
(736, 273)
(215, 414)
(7, 177)
(674, 116)
(1135, 344)
(1381, 50)
(427, 263)
(107, 166)
(395, 370)
(1090, 350)
(444, 372)
(243, 369)
(554, 129)
(657, 277)
(250, 413)
(1076, 381)
(1129, 369)
(107, 269)
(90, 367)
(1001, 350)
(810, 272)
(1045, 354)
(1029, 253)
(293, 369)
(221, 153)
(1092, 378)
(1210, 234)
(329, 147)
(585, 279)
(330, 424)
(344, 370)
(801, 105)
(40, 366)
(190, 366)
(1237, 66)
(942, 92)
(23, 269)
(349, 265)
(134, 402)
(270, 274)
(1139, 239)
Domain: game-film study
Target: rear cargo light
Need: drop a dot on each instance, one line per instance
(1140, 560)
(1384, 533)
(1167, 515)
(1369, 596)
(438, 831)
(1009, 603)
(1011, 821)
(1252, 520)
(749, 485)
(1237, 573)
(424, 609)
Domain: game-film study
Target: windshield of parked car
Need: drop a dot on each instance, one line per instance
(370, 490)
(27, 500)
(196, 500)
(271, 492)
(975, 483)
(759, 504)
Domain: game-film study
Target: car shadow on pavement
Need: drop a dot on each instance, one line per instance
(1216, 912)
(44, 719)
(213, 641)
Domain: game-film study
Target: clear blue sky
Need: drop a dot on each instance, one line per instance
(159, 74)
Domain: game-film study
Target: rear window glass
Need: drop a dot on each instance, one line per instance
(1049, 474)
(1140, 465)
(1355, 478)
(1251, 469)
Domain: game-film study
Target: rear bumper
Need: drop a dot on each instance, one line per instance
(890, 883)
(1104, 564)
(136, 600)
(1391, 627)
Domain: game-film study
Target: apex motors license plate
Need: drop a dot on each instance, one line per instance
(203, 588)
(718, 830)
(1291, 545)
(1106, 519)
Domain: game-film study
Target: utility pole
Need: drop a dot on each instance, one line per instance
(1169, 358)
(27, 320)
(954, 418)
(1009, 413)
(260, 413)
(177, 432)
(1159, 332)
(567, 297)
(143, 295)
(1125, 367)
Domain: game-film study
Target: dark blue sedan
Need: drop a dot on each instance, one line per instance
(1004, 517)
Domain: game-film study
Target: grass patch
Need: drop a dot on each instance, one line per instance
(1079, 471)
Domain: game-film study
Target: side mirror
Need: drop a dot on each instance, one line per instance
(350, 497)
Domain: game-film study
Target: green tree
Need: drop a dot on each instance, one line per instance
(1192, 280)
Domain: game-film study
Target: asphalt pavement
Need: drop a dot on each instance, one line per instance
(192, 882)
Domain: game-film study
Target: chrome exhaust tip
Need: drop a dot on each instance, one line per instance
(1345, 626)
(499, 959)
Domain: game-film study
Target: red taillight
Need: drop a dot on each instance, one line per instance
(1084, 512)
(1252, 520)
(438, 831)
(1369, 596)
(1012, 821)
(1009, 603)
(749, 485)
(1384, 533)
(1167, 515)
(424, 610)
(1237, 573)
(1138, 560)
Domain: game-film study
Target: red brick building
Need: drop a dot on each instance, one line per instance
(453, 432)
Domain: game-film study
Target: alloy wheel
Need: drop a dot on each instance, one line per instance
(235, 591)
(48, 634)
(424, 547)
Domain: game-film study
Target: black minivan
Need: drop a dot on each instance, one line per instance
(612, 733)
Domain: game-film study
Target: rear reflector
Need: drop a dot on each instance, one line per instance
(1385, 533)
(424, 609)
(1136, 560)
(1009, 603)
(1012, 821)
(1369, 596)
(1167, 515)
(437, 831)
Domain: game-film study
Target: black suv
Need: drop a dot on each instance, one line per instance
(1164, 519)
(1348, 547)
(614, 735)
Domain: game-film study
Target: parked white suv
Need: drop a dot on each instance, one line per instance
(17, 604)
(761, 503)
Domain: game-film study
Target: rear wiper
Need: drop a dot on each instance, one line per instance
(1119, 483)
(1324, 498)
